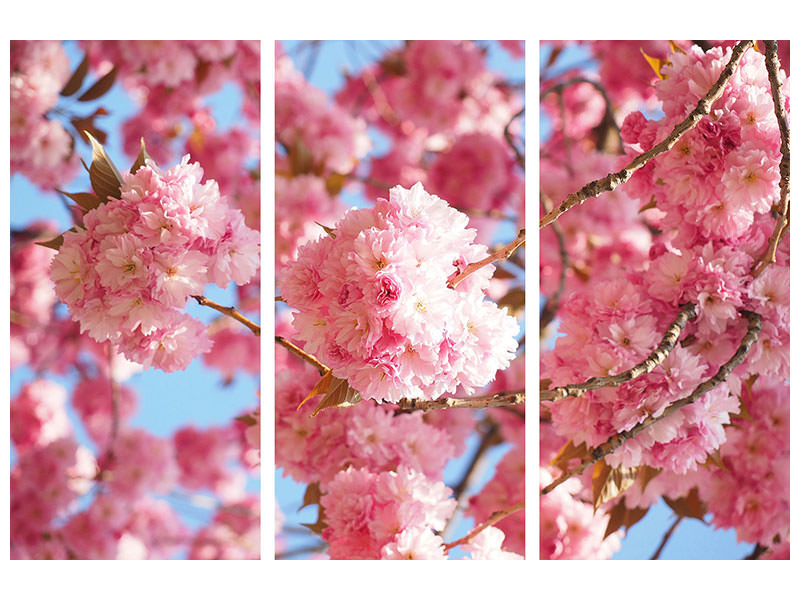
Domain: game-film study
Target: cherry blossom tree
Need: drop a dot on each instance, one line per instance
(399, 348)
(664, 261)
(121, 272)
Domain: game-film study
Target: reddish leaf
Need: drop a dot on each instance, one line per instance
(103, 174)
(329, 230)
(54, 244)
(339, 394)
(311, 496)
(609, 483)
(77, 77)
(689, 506)
(321, 387)
(140, 159)
(83, 199)
(100, 87)
(334, 183)
(569, 453)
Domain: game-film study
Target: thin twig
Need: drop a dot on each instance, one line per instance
(615, 441)
(486, 401)
(312, 360)
(489, 438)
(507, 134)
(756, 553)
(495, 517)
(609, 113)
(501, 254)
(612, 180)
(554, 301)
(667, 535)
(230, 311)
(655, 358)
(782, 220)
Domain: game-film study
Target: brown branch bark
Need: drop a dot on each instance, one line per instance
(782, 219)
(615, 441)
(501, 254)
(554, 301)
(487, 401)
(312, 360)
(611, 181)
(609, 112)
(229, 311)
(489, 438)
(496, 517)
(507, 135)
(667, 535)
(656, 357)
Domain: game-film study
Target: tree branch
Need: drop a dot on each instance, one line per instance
(507, 135)
(496, 517)
(615, 441)
(489, 438)
(655, 358)
(501, 254)
(782, 220)
(485, 401)
(611, 181)
(554, 301)
(230, 311)
(312, 360)
(667, 535)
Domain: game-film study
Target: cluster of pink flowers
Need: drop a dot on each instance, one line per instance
(707, 204)
(42, 150)
(170, 79)
(480, 171)
(302, 204)
(374, 302)
(38, 415)
(306, 121)
(93, 400)
(234, 533)
(204, 458)
(389, 515)
(126, 276)
(569, 528)
(755, 463)
(367, 435)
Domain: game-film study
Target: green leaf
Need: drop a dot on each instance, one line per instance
(100, 87)
(103, 174)
(76, 79)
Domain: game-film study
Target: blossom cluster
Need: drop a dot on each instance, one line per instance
(374, 302)
(126, 276)
(171, 78)
(42, 150)
(689, 227)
